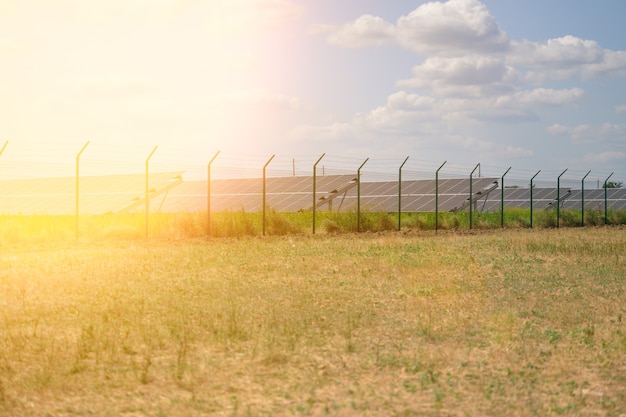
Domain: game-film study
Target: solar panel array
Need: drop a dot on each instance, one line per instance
(168, 193)
(545, 198)
(98, 194)
(291, 194)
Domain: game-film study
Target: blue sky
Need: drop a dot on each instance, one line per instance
(528, 84)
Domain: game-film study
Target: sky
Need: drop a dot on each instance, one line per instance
(533, 84)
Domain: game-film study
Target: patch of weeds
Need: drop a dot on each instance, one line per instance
(330, 226)
(409, 386)
(275, 359)
(427, 378)
(539, 314)
(555, 408)
(3, 393)
(279, 225)
(388, 360)
(181, 356)
(353, 321)
(142, 369)
(439, 396)
(586, 334)
(415, 367)
(553, 335)
(570, 387)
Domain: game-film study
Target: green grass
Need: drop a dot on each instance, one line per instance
(517, 322)
(184, 225)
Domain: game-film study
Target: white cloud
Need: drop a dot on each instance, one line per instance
(456, 26)
(604, 157)
(403, 114)
(620, 109)
(559, 52)
(515, 107)
(519, 151)
(367, 30)
(580, 133)
(613, 131)
(470, 76)
(406, 110)
(586, 133)
(467, 47)
(566, 57)
(467, 70)
(402, 100)
(501, 115)
(492, 149)
(558, 129)
(453, 27)
(545, 96)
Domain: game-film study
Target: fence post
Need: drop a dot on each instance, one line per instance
(264, 204)
(77, 181)
(400, 193)
(314, 187)
(471, 203)
(606, 210)
(531, 198)
(208, 195)
(437, 196)
(502, 199)
(582, 198)
(147, 188)
(558, 199)
(358, 196)
(4, 147)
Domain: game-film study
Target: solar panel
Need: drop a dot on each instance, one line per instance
(116, 193)
(98, 194)
(543, 197)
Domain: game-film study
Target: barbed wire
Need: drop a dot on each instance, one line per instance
(40, 158)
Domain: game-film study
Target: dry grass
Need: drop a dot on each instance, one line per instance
(515, 323)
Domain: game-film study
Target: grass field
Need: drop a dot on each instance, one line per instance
(492, 323)
(184, 225)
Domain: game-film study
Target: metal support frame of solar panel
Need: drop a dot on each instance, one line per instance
(452, 193)
(481, 196)
(339, 193)
(153, 193)
(559, 199)
(97, 194)
(520, 198)
(417, 195)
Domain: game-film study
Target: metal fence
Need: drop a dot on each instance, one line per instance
(160, 176)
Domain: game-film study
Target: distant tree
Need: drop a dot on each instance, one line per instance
(613, 184)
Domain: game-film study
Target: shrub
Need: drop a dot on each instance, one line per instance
(330, 226)
(278, 224)
(420, 221)
(234, 224)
